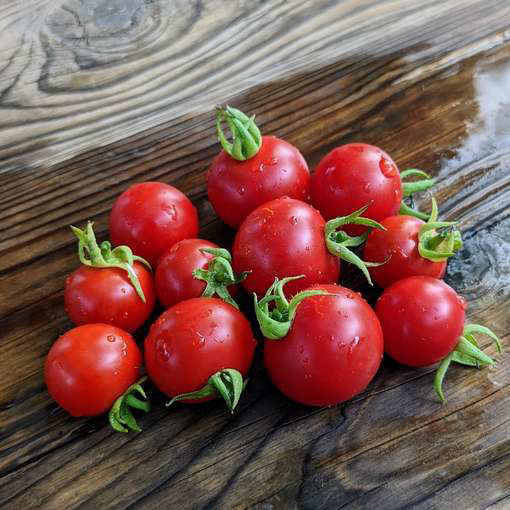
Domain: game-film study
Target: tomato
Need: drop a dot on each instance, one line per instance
(411, 247)
(398, 245)
(423, 322)
(284, 237)
(237, 187)
(90, 366)
(422, 319)
(111, 287)
(176, 275)
(331, 351)
(287, 236)
(195, 340)
(150, 217)
(352, 176)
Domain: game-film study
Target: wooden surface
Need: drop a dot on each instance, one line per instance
(98, 94)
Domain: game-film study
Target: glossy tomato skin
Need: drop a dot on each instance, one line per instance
(236, 188)
(422, 319)
(352, 176)
(399, 242)
(150, 217)
(90, 366)
(283, 237)
(106, 295)
(332, 351)
(193, 340)
(174, 275)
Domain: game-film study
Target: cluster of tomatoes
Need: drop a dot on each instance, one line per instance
(323, 343)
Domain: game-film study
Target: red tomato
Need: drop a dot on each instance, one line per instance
(352, 176)
(280, 238)
(106, 295)
(331, 352)
(150, 217)
(195, 339)
(174, 275)
(236, 188)
(90, 366)
(398, 245)
(422, 319)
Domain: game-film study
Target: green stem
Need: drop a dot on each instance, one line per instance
(466, 353)
(338, 242)
(435, 245)
(276, 323)
(410, 187)
(246, 137)
(120, 416)
(227, 384)
(219, 275)
(103, 256)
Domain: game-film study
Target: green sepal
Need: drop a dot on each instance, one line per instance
(338, 242)
(466, 353)
(120, 416)
(227, 384)
(435, 245)
(276, 323)
(219, 275)
(93, 255)
(408, 188)
(246, 137)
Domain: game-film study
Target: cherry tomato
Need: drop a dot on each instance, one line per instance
(352, 176)
(175, 281)
(332, 350)
(90, 366)
(192, 341)
(422, 319)
(398, 245)
(106, 295)
(150, 217)
(274, 169)
(284, 237)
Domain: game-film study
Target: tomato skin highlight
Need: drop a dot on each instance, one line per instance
(150, 217)
(106, 295)
(193, 340)
(283, 237)
(422, 319)
(235, 188)
(400, 241)
(90, 366)
(352, 176)
(332, 351)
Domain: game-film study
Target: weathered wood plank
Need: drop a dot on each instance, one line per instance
(131, 98)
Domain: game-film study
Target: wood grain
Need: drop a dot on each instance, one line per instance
(99, 94)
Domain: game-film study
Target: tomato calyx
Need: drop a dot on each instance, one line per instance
(276, 323)
(100, 256)
(246, 137)
(438, 240)
(219, 275)
(120, 416)
(339, 242)
(410, 187)
(227, 384)
(466, 353)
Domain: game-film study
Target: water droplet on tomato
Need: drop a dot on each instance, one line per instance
(123, 290)
(349, 295)
(273, 161)
(388, 168)
(329, 171)
(462, 302)
(242, 191)
(111, 338)
(293, 220)
(283, 170)
(301, 349)
(171, 210)
(367, 187)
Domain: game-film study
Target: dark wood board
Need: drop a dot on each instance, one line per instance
(98, 94)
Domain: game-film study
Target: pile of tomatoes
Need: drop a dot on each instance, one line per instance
(323, 343)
